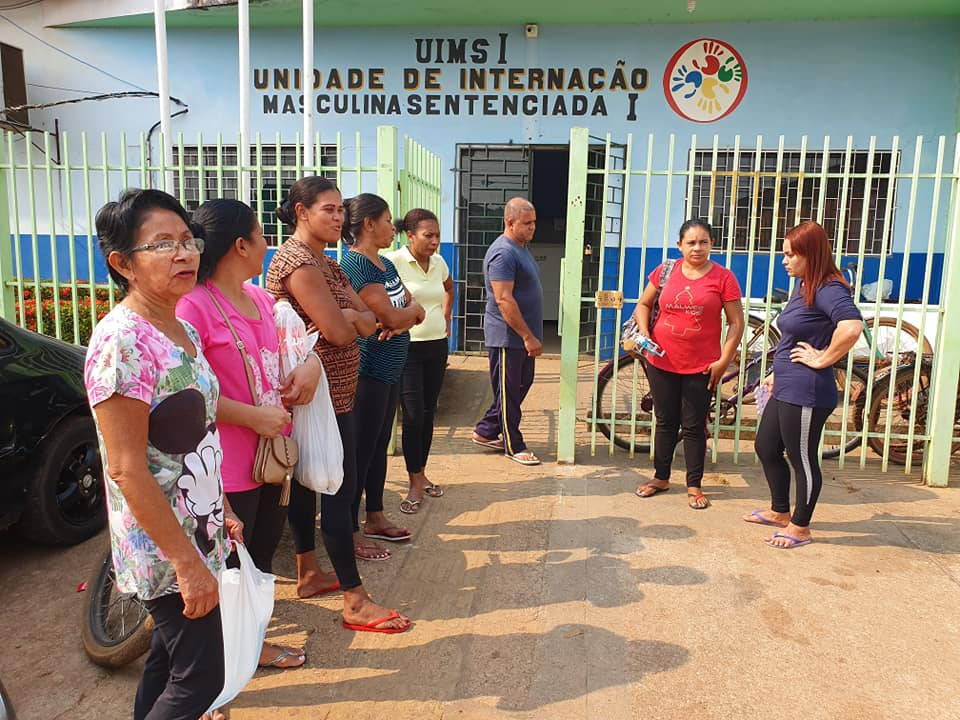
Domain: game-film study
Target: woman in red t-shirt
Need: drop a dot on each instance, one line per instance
(688, 330)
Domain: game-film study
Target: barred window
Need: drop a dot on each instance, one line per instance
(219, 177)
(741, 196)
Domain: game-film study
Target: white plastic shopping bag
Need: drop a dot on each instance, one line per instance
(315, 429)
(246, 605)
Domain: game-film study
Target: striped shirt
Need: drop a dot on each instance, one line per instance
(384, 360)
(339, 363)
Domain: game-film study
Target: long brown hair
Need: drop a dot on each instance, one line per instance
(810, 241)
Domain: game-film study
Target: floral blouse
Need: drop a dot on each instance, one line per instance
(130, 357)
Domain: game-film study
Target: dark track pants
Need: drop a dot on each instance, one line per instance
(420, 386)
(679, 402)
(511, 376)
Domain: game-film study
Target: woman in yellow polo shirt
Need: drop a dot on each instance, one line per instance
(426, 275)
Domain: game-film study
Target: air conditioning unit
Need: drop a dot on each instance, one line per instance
(13, 87)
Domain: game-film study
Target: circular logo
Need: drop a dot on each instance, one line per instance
(705, 80)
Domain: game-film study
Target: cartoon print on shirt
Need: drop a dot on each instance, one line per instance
(177, 426)
(683, 302)
(395, 291)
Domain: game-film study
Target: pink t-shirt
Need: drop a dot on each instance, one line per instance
(260, 339)
(688, 327)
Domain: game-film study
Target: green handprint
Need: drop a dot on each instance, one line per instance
(729, 71)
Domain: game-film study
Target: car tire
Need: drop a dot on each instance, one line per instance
(65, 495)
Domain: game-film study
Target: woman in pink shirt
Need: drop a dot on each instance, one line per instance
(234, 249)
(688, 329)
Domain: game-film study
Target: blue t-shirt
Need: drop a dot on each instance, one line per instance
(796, 383)
(382, 360)
(507, 261)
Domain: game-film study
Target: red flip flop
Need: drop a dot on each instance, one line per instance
(372, 626)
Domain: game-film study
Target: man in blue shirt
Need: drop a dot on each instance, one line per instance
(512, 329)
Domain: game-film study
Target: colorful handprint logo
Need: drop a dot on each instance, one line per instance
(705, 80)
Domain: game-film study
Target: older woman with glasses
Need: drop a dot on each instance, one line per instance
(154, 399)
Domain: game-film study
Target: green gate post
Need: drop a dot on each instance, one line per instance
(570, 298)
(7, 296)
(388, 183)
(940, 420)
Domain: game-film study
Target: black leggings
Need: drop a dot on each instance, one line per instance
(262, 516)
(797, 430)
(679, 401)
(184, 671)
(419, 389)
(336, 524)
(376, 409)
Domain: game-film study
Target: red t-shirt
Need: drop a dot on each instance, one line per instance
(688, 327)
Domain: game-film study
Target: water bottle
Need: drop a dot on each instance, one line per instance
(638, 343)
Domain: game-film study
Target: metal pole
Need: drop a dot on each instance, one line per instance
(243, 62)
(163, 88)
(306, 84)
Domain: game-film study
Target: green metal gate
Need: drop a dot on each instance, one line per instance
(752, 194)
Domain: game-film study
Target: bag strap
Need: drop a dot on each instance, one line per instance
(240, 346)
(666, 270)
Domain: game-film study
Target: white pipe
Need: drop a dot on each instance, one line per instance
(163, 88)
(243, 64)
(306, 84)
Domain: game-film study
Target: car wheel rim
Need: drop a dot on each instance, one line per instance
(78, 487)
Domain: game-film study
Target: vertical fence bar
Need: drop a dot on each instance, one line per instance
(71, 241)
(7, 189)
(570, 300)
(936, 471)
(387, 175)
(15, 221)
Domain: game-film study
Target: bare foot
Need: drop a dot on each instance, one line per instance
(360, 609)
(379, 527)
(311, 579)
(767, 517)
(365, 549)
(790, 536)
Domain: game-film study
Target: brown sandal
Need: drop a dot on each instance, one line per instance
(697, 500)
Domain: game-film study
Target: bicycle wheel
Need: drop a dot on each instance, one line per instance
(904, 344)
(854, 419)
(896, 412)
(633, 409)
(758, 341)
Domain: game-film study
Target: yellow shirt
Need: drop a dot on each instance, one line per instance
(427, 289)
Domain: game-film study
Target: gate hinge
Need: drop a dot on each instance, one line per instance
(609, 299)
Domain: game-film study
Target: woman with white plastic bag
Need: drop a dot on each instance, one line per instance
(315, 424)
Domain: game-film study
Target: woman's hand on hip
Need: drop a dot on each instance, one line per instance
(269, 421)
(715, 370)
(808, 355)
(299, 387)
(198, 588)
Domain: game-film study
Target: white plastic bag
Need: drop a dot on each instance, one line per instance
(246, 605)
(869, 290)
(315, 429)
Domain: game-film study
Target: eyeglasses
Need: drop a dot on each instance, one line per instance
(169, 247)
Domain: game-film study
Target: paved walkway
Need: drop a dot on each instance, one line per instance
(553, 592)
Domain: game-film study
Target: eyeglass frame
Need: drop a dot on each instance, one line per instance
(198, 245)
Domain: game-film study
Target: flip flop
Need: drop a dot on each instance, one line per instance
(390, 534)
(524, 457)
(372, 626)
(484, 442)
(371, 552)
(409, 507)
(796, 542)
(761, 520)
(649, 490)
(333, 588)
(433, 490)
(693, 501)
(285, 652)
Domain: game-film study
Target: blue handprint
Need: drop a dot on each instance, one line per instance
(687, 77)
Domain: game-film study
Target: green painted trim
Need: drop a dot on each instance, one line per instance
(570, 298)
(368, 13)
(7, 274)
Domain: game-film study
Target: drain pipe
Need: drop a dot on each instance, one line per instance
(166, 137)
(306, 84)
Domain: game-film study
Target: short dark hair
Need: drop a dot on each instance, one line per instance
(358, 209)
(410, 221)
(117, 222)
(695, 223)
(220, 222)
(303, 191)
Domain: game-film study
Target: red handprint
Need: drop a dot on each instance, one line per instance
(711, 63)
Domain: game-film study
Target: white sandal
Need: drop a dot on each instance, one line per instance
(525, 457)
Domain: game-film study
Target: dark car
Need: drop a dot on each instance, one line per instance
(51, 482)
(6, 707)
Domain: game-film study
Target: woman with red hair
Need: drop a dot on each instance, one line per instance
(818, 327)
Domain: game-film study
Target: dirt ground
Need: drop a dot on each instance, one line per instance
(554, 592)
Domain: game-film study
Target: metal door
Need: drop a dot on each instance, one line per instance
(487, 176)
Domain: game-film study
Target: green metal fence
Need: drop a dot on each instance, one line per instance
(891, 207)
(52, 278)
